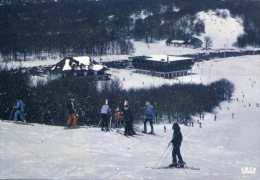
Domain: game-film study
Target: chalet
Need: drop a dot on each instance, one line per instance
(166, 66)
(80, 66)
(188, 43)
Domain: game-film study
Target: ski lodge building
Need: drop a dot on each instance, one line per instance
(188, 43)
(166, 66)
(80, 66)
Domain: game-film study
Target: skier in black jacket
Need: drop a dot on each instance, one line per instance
(128, 119)
(176, 142)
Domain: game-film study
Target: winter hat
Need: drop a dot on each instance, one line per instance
(147, 103)
(126, 103)
(117, 109)
(175, 127)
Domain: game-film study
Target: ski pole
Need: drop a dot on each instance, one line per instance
(11, 114)
(99, 121)
(161, 157)
(166, 156)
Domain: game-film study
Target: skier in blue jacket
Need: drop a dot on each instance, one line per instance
(19, 113)
(149, 115)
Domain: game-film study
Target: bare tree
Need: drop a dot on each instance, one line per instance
(208, 42)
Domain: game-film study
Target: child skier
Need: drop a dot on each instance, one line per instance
(118, 117)
(176, 142)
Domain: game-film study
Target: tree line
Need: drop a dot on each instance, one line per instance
(106, 27)
(46, 103)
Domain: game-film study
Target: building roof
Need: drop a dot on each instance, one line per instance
(177, 41)
(86, 60)
(77, 64)
(167, 58)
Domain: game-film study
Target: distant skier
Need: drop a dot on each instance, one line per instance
(128, 119)
(149, 114)
(20, 107)
(176, 142)
(215, 117)
(72, 114)
(105, 113)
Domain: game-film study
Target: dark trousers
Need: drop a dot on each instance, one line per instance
(176, 153)
(127, 128)
(104, 121)
(132, 131)
(151, 124)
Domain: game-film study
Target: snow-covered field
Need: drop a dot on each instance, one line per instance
(220, 148)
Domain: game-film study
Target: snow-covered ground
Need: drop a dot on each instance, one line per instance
(220, 148)
(222, 27)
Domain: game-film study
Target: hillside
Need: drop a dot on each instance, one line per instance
(220, 148)
(106, 27)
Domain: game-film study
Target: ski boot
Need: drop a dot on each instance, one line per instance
(173, 165)
(181, 164)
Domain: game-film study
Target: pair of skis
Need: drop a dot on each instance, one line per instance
(18, 122)
(169, 167)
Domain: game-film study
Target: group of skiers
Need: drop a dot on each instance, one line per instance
(125, 115)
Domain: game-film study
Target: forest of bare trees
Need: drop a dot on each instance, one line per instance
(106, 27)
(46, 103)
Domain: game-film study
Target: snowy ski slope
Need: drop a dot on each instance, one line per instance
(220, 148)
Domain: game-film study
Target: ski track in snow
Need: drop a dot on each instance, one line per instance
(220, 148)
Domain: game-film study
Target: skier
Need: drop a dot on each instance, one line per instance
(19, 113)
(72, 114)
(176, 142)
(128, 119)
(149, 114)
(105, 113)
(118, 117)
